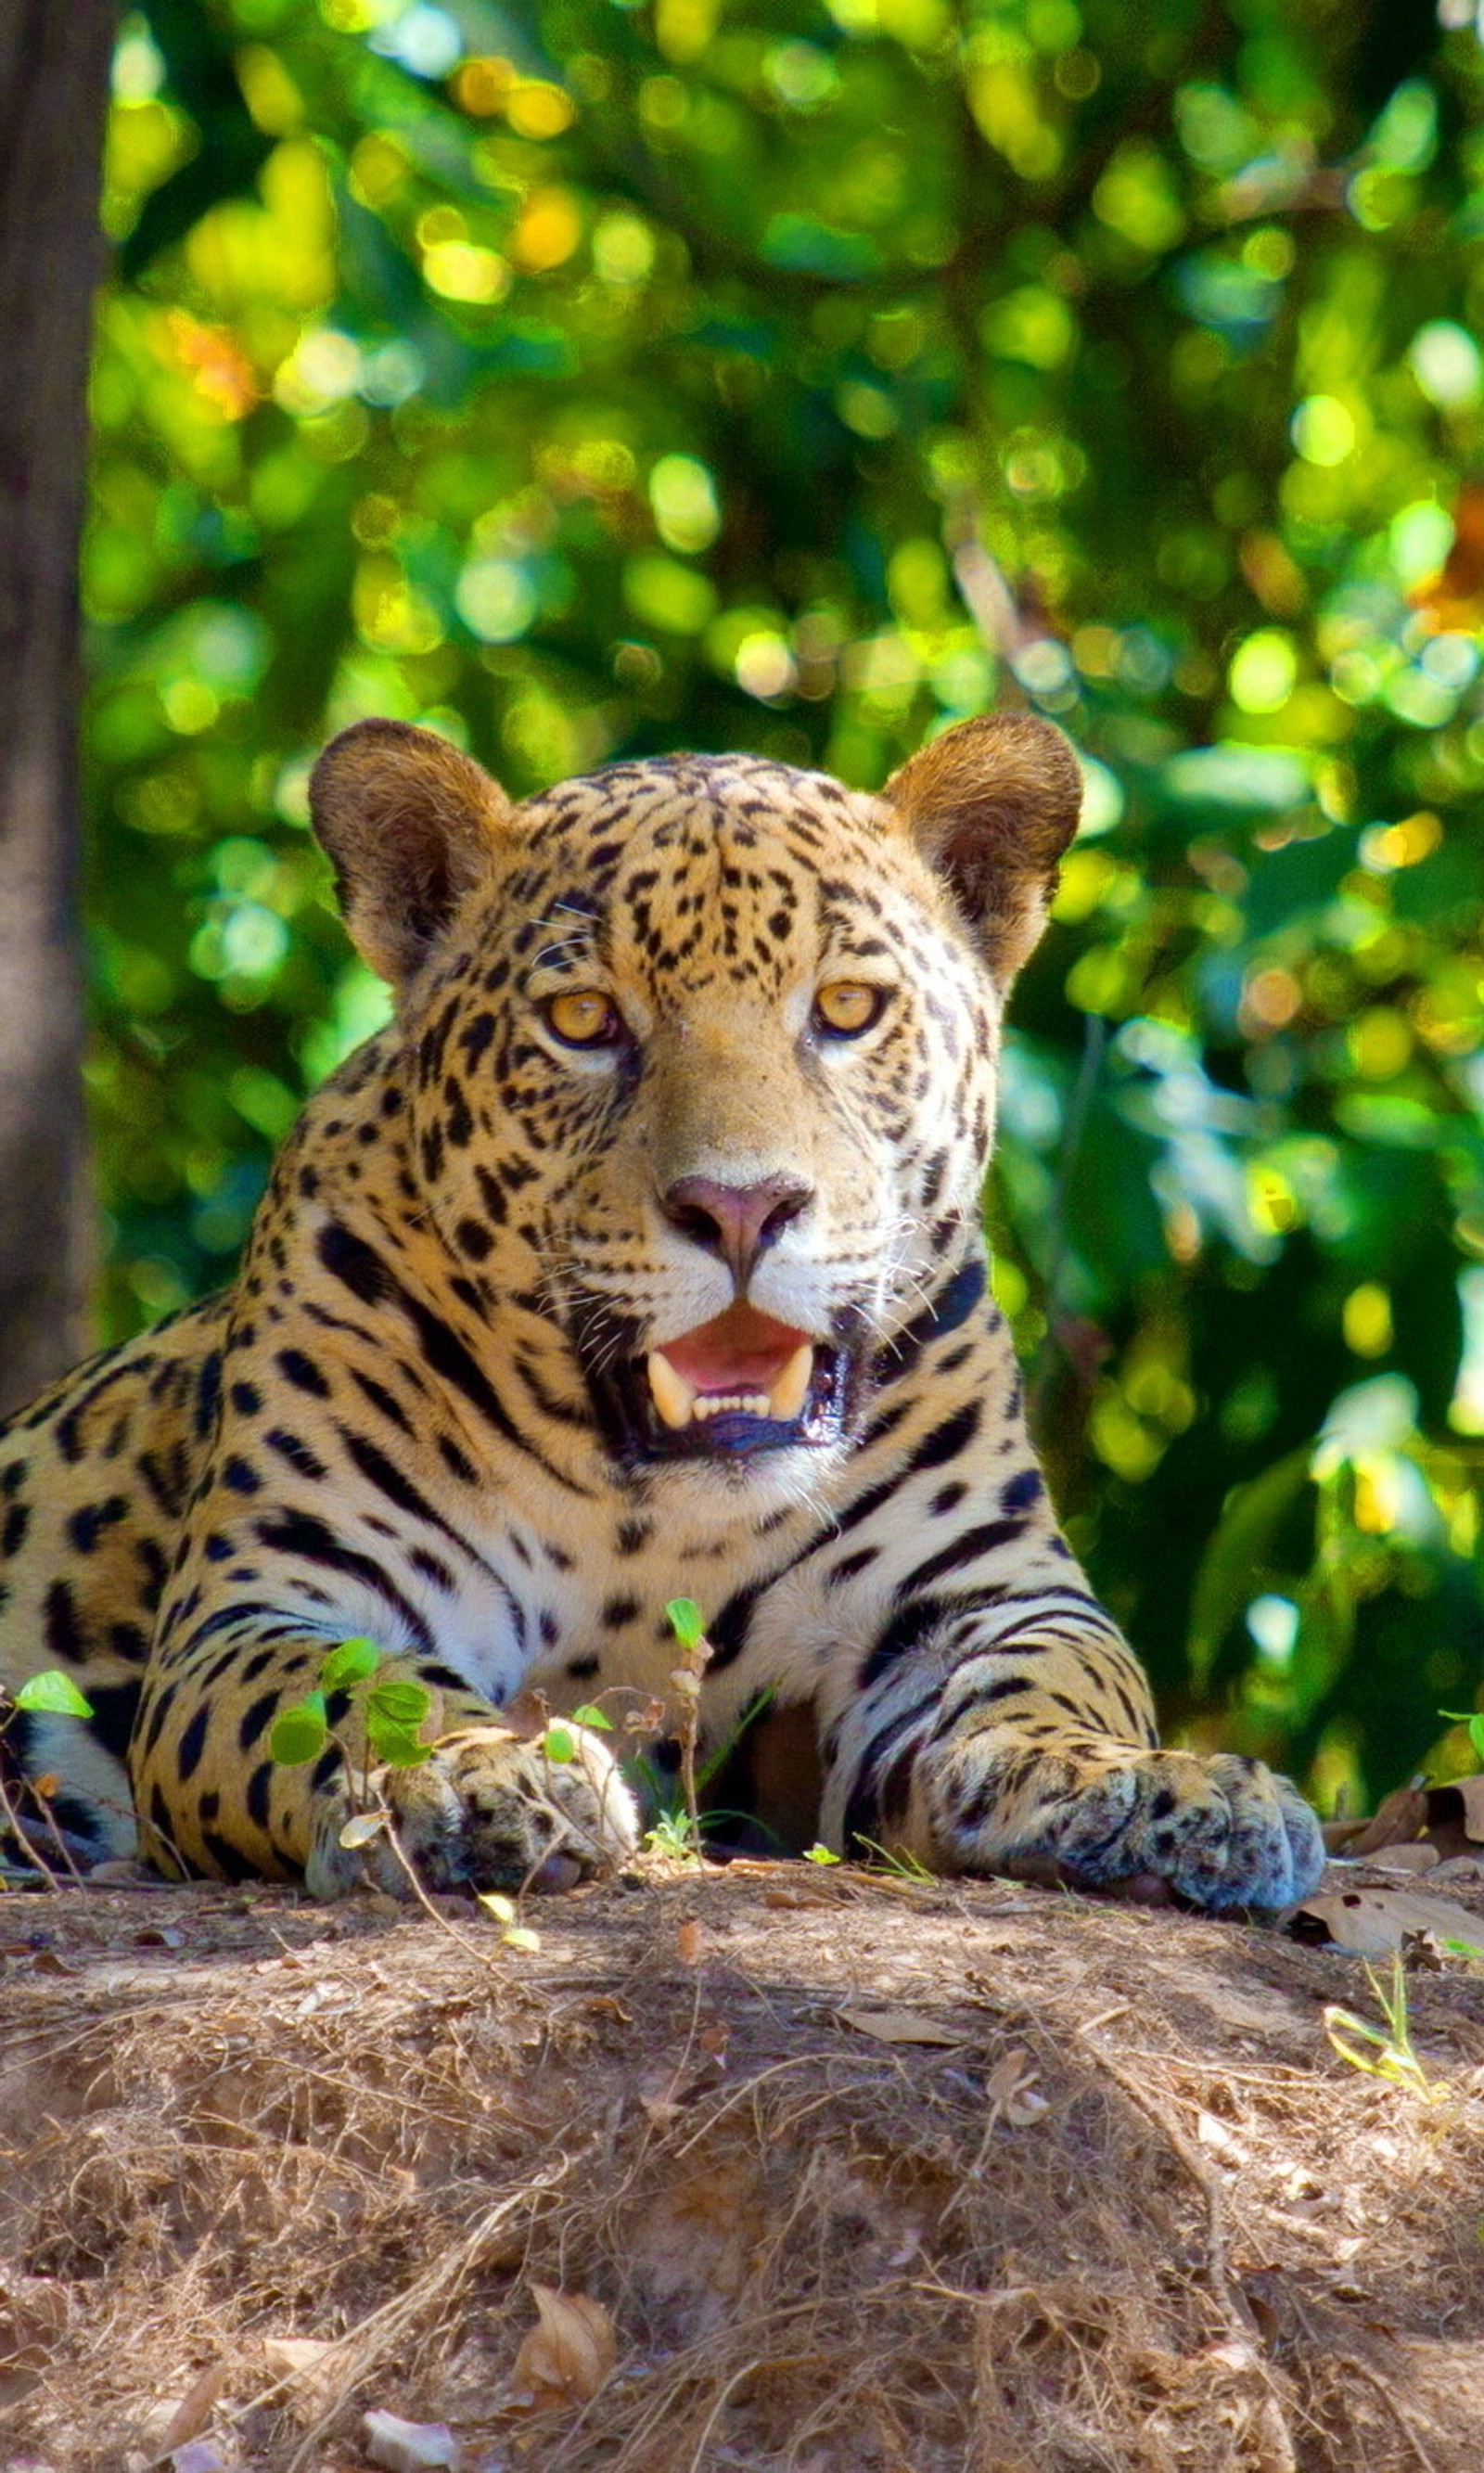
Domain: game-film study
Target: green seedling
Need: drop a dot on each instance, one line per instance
(1387, 2052)
(686, 1677)
(819, 1852)
(392, 1712)
(901, 1865)
(51, 1693)
(674, 1838)
(559, 1743)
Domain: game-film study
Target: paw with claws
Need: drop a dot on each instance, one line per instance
(489, 1809)
(1219, 1834)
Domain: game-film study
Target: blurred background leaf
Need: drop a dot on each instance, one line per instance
(585, 379)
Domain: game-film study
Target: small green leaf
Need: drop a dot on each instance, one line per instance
(521, 1936)
(559, 1743)
(397, 1746)
(299, 1732)
(820, 1854)
(1474, 1719)
(399, 1704)
(362, 1827)
(685, 1621)
(589, 1716)
(350, 1663)
(496, 1904)
(53, 1694)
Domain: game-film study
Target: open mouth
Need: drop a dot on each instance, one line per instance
(739, 1383)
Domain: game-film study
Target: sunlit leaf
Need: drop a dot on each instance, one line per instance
(299, 1732)
(349, 1663)
(53, 1694)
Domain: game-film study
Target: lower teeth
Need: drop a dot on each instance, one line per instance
(720, 1403)
(678, 1405)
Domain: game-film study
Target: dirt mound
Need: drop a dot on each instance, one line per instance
(852, 2175)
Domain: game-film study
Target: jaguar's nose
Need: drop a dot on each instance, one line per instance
(737, 1223)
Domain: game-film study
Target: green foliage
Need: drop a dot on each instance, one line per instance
(52, 1694)
(675, 1837)
(686, 1622)
(355, 1661)
(392, 1713)
(1386, 2051)
(897, 1862)
(591, 380)
(1474, 1719)
(300, 1732)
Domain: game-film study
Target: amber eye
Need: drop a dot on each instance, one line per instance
(848, 1007)
(582, 1018)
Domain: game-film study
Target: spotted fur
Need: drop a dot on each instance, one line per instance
(404, 1418)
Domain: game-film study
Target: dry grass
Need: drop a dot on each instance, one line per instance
(1130, 2212)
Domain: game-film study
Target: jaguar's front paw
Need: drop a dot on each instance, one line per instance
(489, 1811)
(1223, 1833)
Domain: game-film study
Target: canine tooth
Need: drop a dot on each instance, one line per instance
(672, 1396)
(792, 1387)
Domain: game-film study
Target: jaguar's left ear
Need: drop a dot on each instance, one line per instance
(992, 805)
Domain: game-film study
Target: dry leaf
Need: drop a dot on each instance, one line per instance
(566, 2359)
(1013, 2095)
(1373, 1923)
(410, 2446)
(1455, 1816)
(1470, 1792)
(1418, 1856)
(1402, 1816)
(898, 2026)
(1228, 2353)
(194, 2409)
(687, 1943)
(309, 2363)
(1213, 2133)
(288, 2357)
(603, 2004)
(1450, 1818)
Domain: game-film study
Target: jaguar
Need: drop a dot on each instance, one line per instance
(638, 1256)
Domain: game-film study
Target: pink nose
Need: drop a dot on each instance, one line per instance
(737, 1223)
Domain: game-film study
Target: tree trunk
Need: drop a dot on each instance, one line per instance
(54, 85)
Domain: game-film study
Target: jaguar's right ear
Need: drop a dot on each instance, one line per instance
(410, 823)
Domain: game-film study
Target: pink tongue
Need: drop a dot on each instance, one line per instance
(742, 1350)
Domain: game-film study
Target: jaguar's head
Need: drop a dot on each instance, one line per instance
(701, 1055)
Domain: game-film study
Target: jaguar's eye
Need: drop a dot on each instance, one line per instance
(845, 1007)
(582, 1018)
